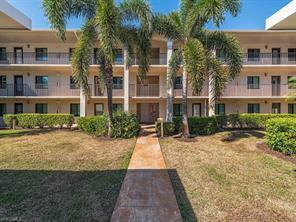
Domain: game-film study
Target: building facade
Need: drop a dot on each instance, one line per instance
(35, 76)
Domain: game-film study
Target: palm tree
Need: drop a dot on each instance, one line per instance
(292, 85)
(109, 25)
(197, 47)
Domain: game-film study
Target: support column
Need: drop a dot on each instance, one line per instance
(170, 88)
(126, 80)
(83, 103)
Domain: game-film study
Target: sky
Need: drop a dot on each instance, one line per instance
(251, 17)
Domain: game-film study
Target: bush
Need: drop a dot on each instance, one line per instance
(281, 135)
(124, 125)
(39, 120)
(202, 125)
(96, 125)
(169, 129)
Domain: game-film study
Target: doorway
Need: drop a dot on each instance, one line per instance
(276, 56)
(18, 56)
(148, 112)
(276, 85)
(18, 86)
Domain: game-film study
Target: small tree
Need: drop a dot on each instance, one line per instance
(109, 24)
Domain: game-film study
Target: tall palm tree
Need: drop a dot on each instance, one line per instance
(292, 85)
(109, 25)
(197, 46)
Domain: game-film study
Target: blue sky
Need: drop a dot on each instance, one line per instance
(252, 15)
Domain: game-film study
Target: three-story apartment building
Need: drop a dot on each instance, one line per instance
(35, 74)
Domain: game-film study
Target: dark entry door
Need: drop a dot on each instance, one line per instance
(148, 112)
(276, 56)
(18, 55)
(18, 86)
(276, 85)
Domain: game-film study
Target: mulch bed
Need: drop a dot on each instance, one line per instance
(264, 147)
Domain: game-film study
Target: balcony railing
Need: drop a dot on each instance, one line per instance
(190, 93)
(38, 90)
(264, 90)
(144, 90)
(59, 58)
(116, 92)
(269, 59)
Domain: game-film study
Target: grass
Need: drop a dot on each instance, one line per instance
(224, 177)
(60, 175)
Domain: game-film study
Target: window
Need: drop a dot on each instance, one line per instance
(292, 82)
(18, 108)
(253, 82)
(99, 109)
(253, 108)
(117, 82)
(41, 54)
(2, 109)
(155, 56)
(292, 55)
(253, 55)
(117, 107)
(178, 82)
(41, 82)
(196, 109)
(220, 109)
(177, 110)
(96, 56)
(118, 56)
(75, 109)
(276, 108)
(2, 54)
(220, 55)
(41, 108)
(292, 108)
(72, 83)
(71, 51)
(2, 82)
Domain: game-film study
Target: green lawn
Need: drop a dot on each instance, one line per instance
(224, 177)
(60, 175)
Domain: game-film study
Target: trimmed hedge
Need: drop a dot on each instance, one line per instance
(96, 125)
(124, 125)
(210, 125)
(39, 120)
(281, 135)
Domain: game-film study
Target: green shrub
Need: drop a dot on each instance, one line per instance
(96, 125)
(281, 135)
(125, 125)
(169, 129)
(202, 125)
(39, 120)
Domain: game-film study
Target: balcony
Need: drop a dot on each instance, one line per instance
(190, 93)
(264, 90)
(25, 90)
(98, 92)
(269, 59)
(59, 58)
(144, 90)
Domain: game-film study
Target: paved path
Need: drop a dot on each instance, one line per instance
(147, 193)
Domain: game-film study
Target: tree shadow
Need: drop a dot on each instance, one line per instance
(237, 135)
(43, 195)
(26, 132)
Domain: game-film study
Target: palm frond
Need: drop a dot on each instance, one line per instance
(194, 62)
(107, 22)
(167, 26)
(82, 58)
(227, 46)
(174, 65)
(58, 11)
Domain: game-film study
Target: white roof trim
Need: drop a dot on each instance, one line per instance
(274, 21)
(16, 15)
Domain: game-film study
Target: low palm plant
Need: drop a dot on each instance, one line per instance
(107, 25)
(197, 49)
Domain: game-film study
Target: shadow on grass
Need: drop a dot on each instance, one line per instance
(25, 132)
(236, 135)
(41, 195)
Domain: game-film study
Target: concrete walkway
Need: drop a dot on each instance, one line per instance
(147, 193)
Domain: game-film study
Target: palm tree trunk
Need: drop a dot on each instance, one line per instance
(109, 86)
(169, 110)
(211, 94)
(185, 128)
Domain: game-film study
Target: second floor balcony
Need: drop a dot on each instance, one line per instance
(269, 59)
